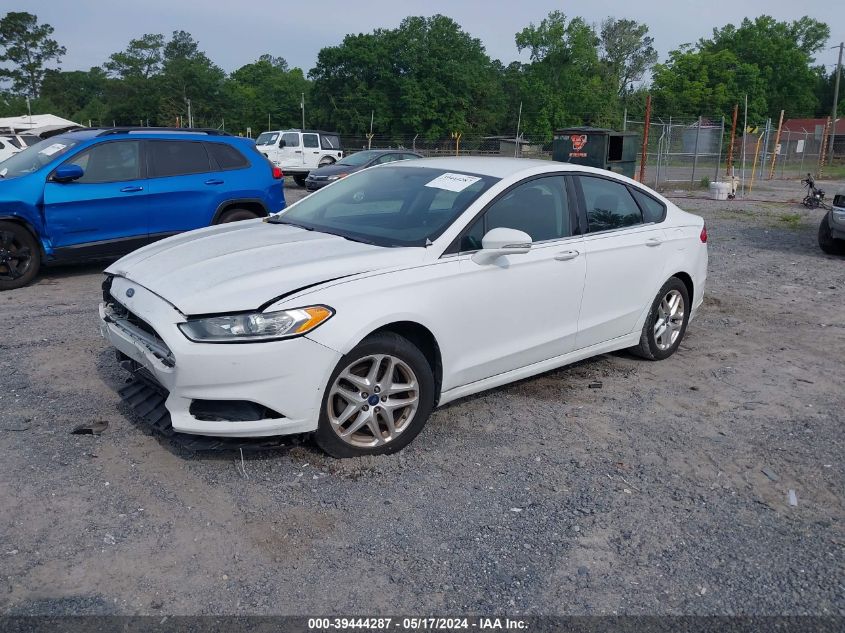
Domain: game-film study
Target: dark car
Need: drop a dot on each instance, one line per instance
(100, 193)
(355, 162)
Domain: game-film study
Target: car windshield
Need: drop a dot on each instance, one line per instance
(267, 138)
(359, 158)
(35, 157)
(389, 206)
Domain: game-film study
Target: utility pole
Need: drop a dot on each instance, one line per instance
(190, 118)
(518, 123)
(835, 102)
(302, 107)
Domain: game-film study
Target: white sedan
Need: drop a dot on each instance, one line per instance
(357, 310)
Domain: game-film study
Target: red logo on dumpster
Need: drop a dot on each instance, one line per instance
(578, 143)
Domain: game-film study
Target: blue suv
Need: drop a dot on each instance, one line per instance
(100, 193)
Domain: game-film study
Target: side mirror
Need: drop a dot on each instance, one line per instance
(282, 142)
(502, 241)
(68, 173)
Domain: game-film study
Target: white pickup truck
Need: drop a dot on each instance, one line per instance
(298, 152)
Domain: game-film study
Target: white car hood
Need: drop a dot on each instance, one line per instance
(244, 265)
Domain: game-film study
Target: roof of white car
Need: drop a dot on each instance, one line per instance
(494, 166)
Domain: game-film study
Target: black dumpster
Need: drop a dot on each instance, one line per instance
(597, 147)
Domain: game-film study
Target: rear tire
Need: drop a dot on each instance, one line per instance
(384, 375)
(236, 215)
(299, 180)
(827, 242)
(666, 323)
(20, 256)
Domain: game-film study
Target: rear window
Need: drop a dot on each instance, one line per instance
(330, 141)
(226, 156)
(177, 158)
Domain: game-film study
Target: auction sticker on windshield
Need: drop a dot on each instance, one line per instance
(453, 182)
(52, 149)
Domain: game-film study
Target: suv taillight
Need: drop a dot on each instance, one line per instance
(277, 173)
(703, 236)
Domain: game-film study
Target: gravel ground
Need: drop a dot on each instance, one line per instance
(663, 492)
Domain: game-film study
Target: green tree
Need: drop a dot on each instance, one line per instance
(783, 53)
(70, 92)
(426, 77)
(141, 59)
(564, 83)
(188, 74)
(627, 51)
(264, 87)
(27, 47)
(702, 82)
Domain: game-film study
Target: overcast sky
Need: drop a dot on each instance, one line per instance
(236, 33)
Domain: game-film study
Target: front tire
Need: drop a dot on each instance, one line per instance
(666, 323)
(20, 256)
(827, 242)
(299, 180)
(378, 398)
(236, 215)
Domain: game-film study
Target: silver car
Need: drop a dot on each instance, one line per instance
(832, 228)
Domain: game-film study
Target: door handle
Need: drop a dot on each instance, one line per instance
(298, 151)
(214, 181)
(566, 255)
(131, 189)
(654, 241)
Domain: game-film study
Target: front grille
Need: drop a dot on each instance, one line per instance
(121, 311)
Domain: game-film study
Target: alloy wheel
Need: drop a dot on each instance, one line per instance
(373, 400)
(15, 257)
(670, 320)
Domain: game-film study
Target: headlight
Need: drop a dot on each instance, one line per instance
(336, 177)
(256, 326)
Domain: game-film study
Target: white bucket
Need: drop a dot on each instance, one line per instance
(719, 190)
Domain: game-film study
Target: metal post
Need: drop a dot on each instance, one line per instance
(645, 137)
(835, 102)
(775, 148)
(744, 132)
(729, 169)
(721, 139)
(806, 139)
(302, 107)
(695, 157)
(624, 119)
(518, 123)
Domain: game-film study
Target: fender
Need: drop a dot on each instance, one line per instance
(236, 201)
(46, 247)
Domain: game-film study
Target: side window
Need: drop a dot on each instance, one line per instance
(226, 156)
(178, 158)
(538, 207)
(330, 141)
(310, 140)
(653, 210)
(609, 205)
(2, 146)
(110, 162)
(291, 139)
(387, 158)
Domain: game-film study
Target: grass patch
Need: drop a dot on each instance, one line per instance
(791, 220)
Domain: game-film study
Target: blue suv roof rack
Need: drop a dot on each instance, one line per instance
(154, 130)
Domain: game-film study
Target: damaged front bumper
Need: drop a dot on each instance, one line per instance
(283, 381)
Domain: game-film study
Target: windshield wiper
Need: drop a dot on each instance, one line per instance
(279, 220)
